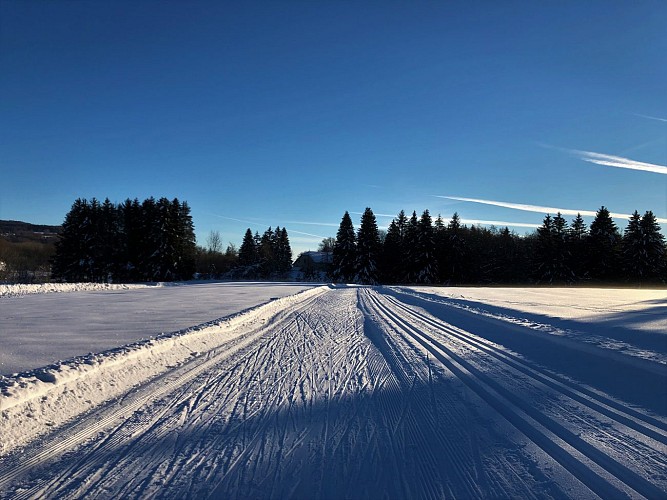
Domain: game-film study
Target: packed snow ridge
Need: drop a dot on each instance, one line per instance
(35, 400)
(27, 289)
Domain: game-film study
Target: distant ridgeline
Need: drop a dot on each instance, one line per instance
(25, 251)
(420, 250)
(17, 231)
(149, 241)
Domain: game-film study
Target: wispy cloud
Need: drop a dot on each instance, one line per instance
(538, 208)
(619, 162)
(651, 117)
(305, 223)
(256, 223)
(376, 214)
(612, 160)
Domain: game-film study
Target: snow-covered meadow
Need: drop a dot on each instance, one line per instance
(44, 324)
(255, 390)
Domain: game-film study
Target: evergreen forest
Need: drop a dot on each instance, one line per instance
(420, 250)
(128, 242)
(154, 240)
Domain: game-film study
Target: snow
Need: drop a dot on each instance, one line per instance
(42, 328)
(352, 392)
(629, 322)
(28, 289)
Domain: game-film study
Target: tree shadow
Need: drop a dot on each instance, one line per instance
(613, 373)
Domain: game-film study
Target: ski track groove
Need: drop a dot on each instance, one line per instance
(577, 459)
(352, 391)
(644, 442)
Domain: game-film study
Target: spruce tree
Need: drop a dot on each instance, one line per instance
(345, 252)
(551, 256)
(248, 250)
(456, 250)
(440, 239)
(267, 253)
(577, 246)
(632, 246)
(283, 252)
(562, 269)
(393, 250)
(186, 242)
(68, 261)
(368, 249)
(643, 249)
(654, 248)
(426, 264)
(411, 249)
(603, 247)
(109, 236)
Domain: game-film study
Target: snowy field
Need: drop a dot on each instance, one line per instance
(345, 392)
(39, 327)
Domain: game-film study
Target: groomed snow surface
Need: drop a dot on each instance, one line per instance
(341, 392)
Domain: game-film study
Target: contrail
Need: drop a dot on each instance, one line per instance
(651, 117)
(324, 224)
(619, 162)
(538, 208)
(376, 215)
(257, 223)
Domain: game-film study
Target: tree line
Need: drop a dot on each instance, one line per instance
(421, 250)
(103, 242)
(265, 256)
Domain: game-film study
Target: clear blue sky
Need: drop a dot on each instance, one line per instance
(289, 113)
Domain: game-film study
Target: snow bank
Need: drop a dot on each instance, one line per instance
(18, 290)
(603, 318)
(33, 401)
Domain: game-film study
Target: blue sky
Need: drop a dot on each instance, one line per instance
(289, 113)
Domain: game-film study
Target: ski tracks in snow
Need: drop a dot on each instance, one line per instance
(350, 393)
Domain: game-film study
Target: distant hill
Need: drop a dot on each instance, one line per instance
(17, 231)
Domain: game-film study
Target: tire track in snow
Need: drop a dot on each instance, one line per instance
(600, 472)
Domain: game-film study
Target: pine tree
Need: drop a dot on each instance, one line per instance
(393, 250)
(186, 243)
(551, 258)
(426, 264)
(440, 240)
(248, 251)
(283, 252)
(563, 273)
(603, 247)
(368, 249)
(68, 262)
(456, 251)
(577, 239)
(632, 248)
(130, 224)
(643, 249)
(654, 248)
(345, 251)
(267, 254)
(109, 239)
(411, 249)
(544, 251)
